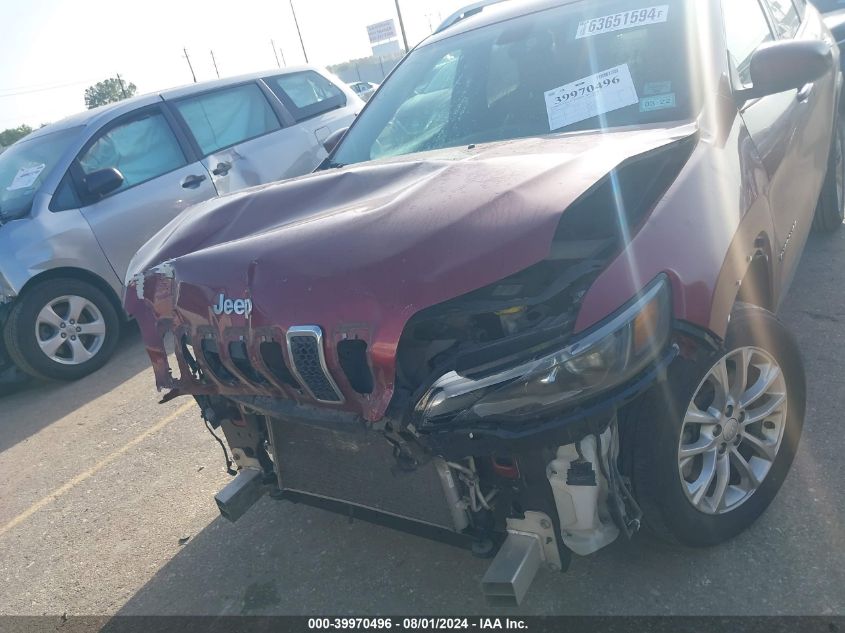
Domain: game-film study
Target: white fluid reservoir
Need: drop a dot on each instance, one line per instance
(585, 523)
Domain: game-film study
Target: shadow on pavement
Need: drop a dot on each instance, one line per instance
(285, 559)
(29, 407)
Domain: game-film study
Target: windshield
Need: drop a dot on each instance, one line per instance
(25, 165)
(585, 65)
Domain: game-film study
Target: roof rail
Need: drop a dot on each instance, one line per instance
(464, 13)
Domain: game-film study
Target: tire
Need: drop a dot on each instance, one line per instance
(830, 210)
(31, 332)
(663, 486)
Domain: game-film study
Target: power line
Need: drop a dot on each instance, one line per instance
(58, 87)
(45, 84)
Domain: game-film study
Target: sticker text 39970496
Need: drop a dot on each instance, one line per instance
(591, 96)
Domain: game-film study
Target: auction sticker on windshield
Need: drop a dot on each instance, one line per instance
(586, 98)
(26, 177)
(622, 21)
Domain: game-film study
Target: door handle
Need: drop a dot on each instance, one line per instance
(804, 93)
(222, 168)
(192, 182)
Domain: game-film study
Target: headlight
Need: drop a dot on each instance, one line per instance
(607, 357)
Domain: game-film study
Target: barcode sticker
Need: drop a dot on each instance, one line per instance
(586, 98)
(622, 21)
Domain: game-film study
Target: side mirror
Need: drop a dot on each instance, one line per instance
(103, 182)
(333, 139)
(787, 65)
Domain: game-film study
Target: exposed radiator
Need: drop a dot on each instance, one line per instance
(359, 468)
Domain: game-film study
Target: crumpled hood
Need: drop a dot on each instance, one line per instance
(357, 251)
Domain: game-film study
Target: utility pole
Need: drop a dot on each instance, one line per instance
(122, 87)
(214, 61)
(189, 65)
(273, 46)
(401, 25)
(295, 21)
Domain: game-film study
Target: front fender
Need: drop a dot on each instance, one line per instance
(701, 234)
(48, 241)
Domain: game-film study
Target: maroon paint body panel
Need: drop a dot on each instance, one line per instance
(358, 251)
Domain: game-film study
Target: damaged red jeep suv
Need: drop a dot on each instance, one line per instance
(527, 304)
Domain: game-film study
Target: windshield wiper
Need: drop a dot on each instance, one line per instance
(329, 164)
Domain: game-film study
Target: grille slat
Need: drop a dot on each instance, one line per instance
(274, 359)
(211, 353)
(305, 346)
(240, 359)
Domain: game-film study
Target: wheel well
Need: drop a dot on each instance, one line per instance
(756, 287)
(82, 275)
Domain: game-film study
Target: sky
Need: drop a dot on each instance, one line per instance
(53, 49)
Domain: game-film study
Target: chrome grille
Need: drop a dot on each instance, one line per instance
(305, 346)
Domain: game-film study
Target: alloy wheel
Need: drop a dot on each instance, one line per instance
(70, 330)
(733, 430)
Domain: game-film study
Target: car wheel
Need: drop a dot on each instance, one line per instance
(830, 211)
(62, 329)
(713, 444)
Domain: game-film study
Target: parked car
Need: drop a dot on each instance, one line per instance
(541, 310)
(77, 198)
(364, 89)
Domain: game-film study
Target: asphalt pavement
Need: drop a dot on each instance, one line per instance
(106, 507)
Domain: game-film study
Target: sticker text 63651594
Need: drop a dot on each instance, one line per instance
(623, 20)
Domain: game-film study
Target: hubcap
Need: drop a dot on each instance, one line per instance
(70, 330)
(732, 430)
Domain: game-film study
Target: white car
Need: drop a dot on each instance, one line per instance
(364, 89)
(79, 197)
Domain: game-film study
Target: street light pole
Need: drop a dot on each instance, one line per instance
(122, 87)
(214, 61)
(401, 25)
(295, 21)
(190, 65)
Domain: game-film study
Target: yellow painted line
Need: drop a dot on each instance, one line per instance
(58, 492)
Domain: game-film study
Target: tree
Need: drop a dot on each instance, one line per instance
(12, 135)
(109, 90)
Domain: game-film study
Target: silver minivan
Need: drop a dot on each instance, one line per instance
(79, 197)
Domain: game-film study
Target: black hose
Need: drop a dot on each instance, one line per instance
(231, 471)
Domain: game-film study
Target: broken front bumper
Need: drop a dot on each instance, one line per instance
(417, 482)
